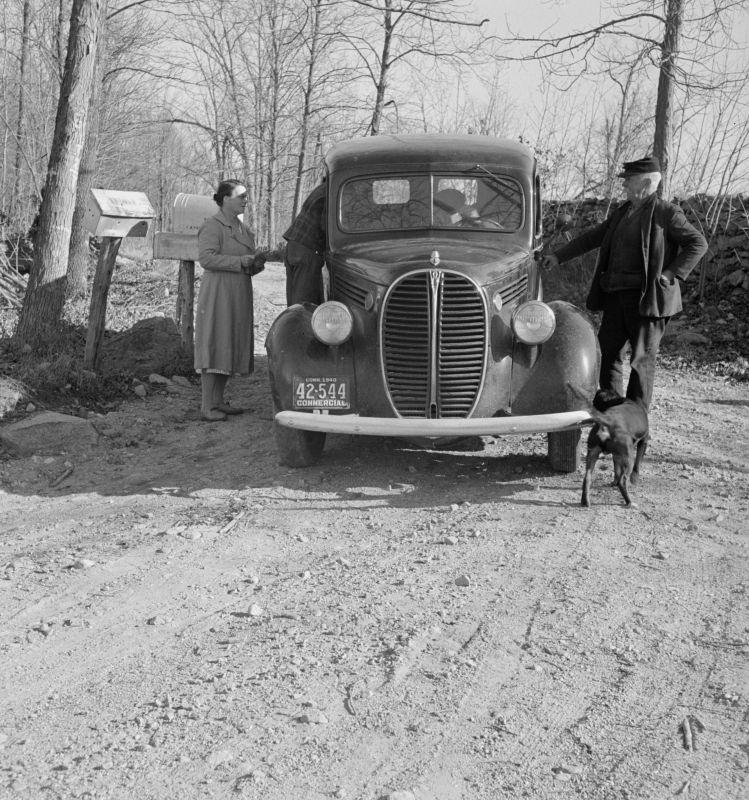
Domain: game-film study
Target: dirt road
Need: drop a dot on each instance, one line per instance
(184, 618)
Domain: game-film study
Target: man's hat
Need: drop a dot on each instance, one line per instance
(450, 200)
(640, 167)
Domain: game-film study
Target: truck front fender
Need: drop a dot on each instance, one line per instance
(564, 374)
(294, 351)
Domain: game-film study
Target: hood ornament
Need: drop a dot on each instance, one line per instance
(435, 257)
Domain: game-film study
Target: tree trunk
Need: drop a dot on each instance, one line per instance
(16, 194)
(384, 69)
(275, 88)
(239, 118)
(306, 110)
(78, 256)
(39, 320)
(60, 39)
(666, 79)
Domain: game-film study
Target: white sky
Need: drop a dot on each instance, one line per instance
(530, 18)
(534, 18)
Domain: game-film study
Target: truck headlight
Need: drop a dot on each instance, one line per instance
(533, 322)
(332, 323)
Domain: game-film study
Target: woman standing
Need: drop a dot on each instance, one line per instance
(224, 341)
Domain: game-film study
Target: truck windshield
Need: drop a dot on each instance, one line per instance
(431, 201)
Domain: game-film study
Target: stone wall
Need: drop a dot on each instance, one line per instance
(724, 223)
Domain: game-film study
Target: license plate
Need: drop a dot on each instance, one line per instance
(321, 393)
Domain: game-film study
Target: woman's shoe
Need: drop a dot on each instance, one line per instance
(214, 415)
(225, 408)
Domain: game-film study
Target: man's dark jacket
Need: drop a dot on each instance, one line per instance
(668, 242)
(308, 227)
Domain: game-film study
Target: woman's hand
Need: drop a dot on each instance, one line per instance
(246, 263)
(258, 264)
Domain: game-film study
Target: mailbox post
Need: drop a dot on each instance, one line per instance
(111, 215)
(190, 212)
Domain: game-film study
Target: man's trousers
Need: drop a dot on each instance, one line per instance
(622, 324)
(304, 281)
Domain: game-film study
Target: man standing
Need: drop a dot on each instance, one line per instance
(647, 248)
(305, 251)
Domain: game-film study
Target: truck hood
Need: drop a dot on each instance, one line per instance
(383, 262)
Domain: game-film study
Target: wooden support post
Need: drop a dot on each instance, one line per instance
(97, 314)
(185, 306)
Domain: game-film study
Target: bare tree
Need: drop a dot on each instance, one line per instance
(312, 43)
(78, 253)
(21, 91)
(213, 31)
(40, 315)
(625, 123)
(126, 55)
(656, 38)
(392, 31)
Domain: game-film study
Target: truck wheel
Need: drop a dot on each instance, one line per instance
(564, 450)
(298, 448)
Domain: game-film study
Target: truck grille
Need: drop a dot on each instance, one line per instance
(515, 287)
(346, 290)
(434, 345)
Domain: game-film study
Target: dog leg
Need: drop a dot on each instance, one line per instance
(624, 489)
(642, 446)
(625, 470)
(590, 465)
(617, 471)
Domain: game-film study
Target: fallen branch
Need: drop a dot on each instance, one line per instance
(686, 730)
(229, 525)
(68, 472)
(690, 727)
(12, 283)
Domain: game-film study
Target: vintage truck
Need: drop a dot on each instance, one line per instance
(436, 324)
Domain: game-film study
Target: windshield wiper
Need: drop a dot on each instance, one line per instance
(509, 186)
(501, 181)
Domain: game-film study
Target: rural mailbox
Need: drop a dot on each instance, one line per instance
(117, 214)
(190, 212)
(112, 216)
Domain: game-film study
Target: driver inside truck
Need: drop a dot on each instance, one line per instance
(448, 204)
(451, 209)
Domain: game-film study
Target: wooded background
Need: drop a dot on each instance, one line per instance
(186, 93)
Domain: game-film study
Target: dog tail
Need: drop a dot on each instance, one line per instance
(606, 399)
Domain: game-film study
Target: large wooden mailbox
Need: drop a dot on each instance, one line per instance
(110, 215)
(117, 214)
(190, 212)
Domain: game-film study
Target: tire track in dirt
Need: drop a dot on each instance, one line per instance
(571, 704)
(363, 622)
(481, 678)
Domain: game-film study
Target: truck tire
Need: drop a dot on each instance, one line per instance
(297, 448)
(564, 450)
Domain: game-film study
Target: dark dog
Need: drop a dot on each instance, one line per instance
(621, 428)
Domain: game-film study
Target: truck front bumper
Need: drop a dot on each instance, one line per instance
(434, 428)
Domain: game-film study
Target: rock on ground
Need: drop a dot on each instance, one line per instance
(143, 349)
(49, 433)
